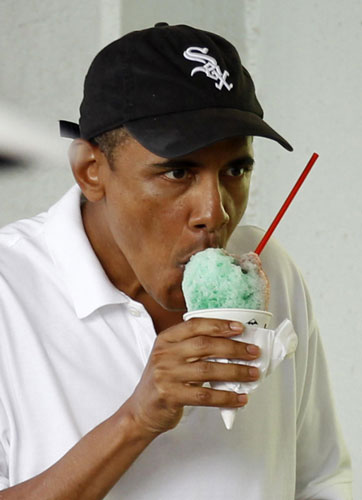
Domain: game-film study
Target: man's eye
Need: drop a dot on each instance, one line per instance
(235, 171)
(177, 173)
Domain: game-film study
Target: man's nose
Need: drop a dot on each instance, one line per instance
(208, 211)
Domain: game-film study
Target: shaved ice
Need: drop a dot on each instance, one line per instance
(215, 279)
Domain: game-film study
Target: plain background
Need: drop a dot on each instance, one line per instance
(305, 58)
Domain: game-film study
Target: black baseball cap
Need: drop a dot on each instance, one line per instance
(176, 89)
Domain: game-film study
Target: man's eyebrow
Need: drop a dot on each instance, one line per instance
(176, 163)
(246, 160)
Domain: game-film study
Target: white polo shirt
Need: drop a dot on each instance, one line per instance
(73, 348)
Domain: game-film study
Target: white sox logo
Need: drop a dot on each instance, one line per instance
(210, 66)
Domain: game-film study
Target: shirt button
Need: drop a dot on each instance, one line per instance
(135, 312)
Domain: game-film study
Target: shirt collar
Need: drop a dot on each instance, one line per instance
(72, 253)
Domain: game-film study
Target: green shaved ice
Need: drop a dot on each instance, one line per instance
(214, 279)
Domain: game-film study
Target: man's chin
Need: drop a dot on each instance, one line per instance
(174, 305)
(175, 309)
(173, 301)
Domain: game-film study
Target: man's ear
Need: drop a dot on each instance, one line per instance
(88, 163)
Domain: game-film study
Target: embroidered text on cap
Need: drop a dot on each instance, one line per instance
(210, 66)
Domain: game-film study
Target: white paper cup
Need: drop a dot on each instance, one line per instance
(251, 318)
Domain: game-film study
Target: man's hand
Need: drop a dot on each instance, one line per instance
(173, 377)
(178, 366)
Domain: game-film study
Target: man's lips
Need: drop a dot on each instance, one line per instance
(182, 262)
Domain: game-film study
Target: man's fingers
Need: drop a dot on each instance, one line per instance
(204, 396)
(209, 371)
(204, 346)
(202, 326)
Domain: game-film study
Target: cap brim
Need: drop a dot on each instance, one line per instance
(178, 134)
(70, 130)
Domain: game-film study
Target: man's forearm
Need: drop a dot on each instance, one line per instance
(90, 469)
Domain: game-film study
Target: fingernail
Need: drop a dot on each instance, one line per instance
(243, 398)
(253, 372)
(252, 349)
(236, 326)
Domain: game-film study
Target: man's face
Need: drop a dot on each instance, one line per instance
(160, 212)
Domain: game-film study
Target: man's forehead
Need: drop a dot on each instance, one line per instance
(227, 150)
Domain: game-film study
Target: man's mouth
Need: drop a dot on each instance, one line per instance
(185, 260)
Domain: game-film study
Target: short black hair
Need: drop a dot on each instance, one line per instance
(109, 141)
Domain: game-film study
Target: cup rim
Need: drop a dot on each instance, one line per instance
(231, 309)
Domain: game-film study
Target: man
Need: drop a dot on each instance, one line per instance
(102, 391)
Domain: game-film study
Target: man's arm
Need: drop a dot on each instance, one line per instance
(91, 467)
(172, 378)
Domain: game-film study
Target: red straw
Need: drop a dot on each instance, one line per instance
(286, 204)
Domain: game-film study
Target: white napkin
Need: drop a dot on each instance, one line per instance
(275, 345)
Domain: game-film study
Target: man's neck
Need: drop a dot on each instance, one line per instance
(162, 319)
(118, 270)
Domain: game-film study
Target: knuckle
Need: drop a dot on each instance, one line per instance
(221, 325)
(159, 376)
(229, 399)
(218, 326)
(237, 350)
(163, 395)
(198, 325)
(238, 372)
(204, 368)
(234, 399)
(203, 396)
(193, 324)
(158, 350)
(202, 343)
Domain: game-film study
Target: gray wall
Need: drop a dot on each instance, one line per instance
(45, 51)
(304, 57)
